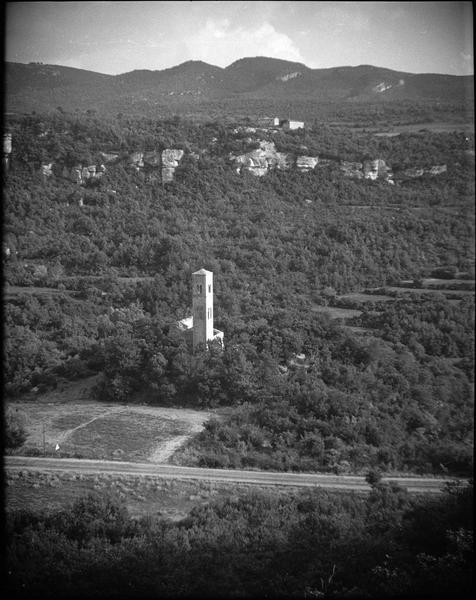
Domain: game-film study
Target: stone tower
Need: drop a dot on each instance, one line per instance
(198, 328)
(7, 150)
(202, 307)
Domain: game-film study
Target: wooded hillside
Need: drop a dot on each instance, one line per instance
(98, 273)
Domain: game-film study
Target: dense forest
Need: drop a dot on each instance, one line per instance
(98, 274)
(312, 544)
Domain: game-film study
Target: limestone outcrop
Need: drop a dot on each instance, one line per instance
(306, 163)
(47, 170)
(136, 160)
(437, 169)
(79, 174)
(377, 169)
(351, 169)
(109, 157)
(167, 160)
(413, 172)
(151, 159)
(369, 169)
(171, 158)
(284, 161)
(261, 160)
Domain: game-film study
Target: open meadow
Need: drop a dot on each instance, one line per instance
(154, 496)
(67, 422)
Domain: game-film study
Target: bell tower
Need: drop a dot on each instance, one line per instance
(202, 303)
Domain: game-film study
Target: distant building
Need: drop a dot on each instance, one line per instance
(288, 125)
(198, 329)
(268, 122)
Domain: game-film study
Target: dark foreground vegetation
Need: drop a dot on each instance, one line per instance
(314, 544)
(96, 286)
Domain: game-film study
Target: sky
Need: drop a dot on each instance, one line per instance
(117, 37)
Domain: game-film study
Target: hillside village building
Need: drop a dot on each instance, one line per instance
(291, 125)
(285, 124)
(198, 329)
(7, 149)
(268, 121)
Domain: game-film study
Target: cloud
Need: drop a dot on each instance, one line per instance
(220, 43)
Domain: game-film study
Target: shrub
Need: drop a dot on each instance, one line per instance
(15, 434)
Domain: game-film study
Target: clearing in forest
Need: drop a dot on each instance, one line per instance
(68, 423)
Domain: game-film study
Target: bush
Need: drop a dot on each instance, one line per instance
(15, 434)
(448, 272)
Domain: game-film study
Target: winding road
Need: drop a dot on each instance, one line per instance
(425, 485)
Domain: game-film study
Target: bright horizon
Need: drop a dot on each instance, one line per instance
(118, 37)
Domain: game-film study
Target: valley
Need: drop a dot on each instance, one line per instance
(339, 412)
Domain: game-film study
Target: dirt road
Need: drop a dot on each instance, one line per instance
(337, 482)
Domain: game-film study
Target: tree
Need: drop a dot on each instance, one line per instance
(15, 433)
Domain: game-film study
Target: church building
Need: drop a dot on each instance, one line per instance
(198, 329)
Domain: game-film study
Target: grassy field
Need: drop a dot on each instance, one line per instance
(170, 498)
(435, 127)
(362, 298)
(337, 313)
(455, 294)
(67, 422)
(13, 291)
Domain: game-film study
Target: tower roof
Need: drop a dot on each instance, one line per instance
(202, 272)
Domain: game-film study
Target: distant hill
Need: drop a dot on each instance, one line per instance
(45, 87)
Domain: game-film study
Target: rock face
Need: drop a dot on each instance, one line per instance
(76, 174)
(414, 172)
(109, 157)
(171, 158)
(382, 87)
(437, 169)
(256, 161)
(351, 169)
(377, 169)
(167, 160)
(306, 163)
(289, 76)
(419, 172)
(151, 159)
(370, 169)
(265, 158)
(136, 160)
(79, 174)
(47, 170)
(283, 161)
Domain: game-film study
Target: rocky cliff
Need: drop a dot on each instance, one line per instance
(260, 161)
(306, 163)
(79, 174)
(167, 160)
(377, 169)
(414, 172)
(369, 169)
(171, 158)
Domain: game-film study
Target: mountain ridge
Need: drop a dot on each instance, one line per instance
(38, 86)
(233, 64)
